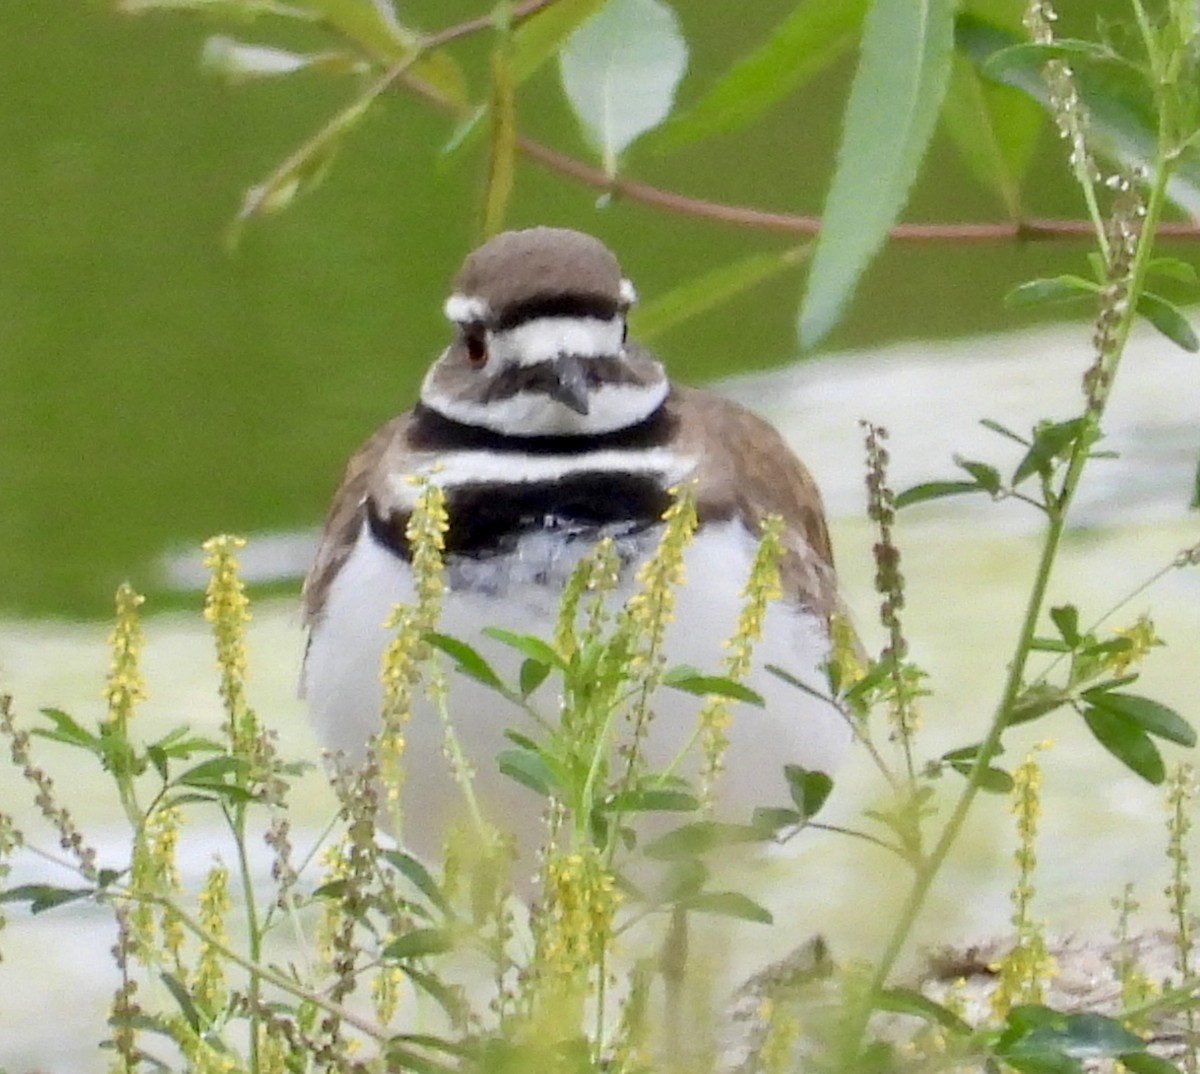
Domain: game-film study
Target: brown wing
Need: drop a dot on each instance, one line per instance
(747, 471)
(345, 517)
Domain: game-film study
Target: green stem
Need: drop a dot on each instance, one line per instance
(1058, 508)
(237, 822)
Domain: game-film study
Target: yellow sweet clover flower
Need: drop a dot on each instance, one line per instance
(776, 1053)
(845, 662)
(575, 929)
(1021, 974)
(426, 534)
(386, 987)
(208, 984)
(1142, 638)
(226, 608)
(761, 588)
(596, 574)
(125, 688)
(1181, 790)
(336, 866)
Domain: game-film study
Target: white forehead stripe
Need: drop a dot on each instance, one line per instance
(545, 338)
(466, 309)
(628, 294)
(459, 468)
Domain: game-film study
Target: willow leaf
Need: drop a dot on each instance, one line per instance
(903, 70)
(814, 35)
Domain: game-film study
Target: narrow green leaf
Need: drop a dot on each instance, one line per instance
(418, 944)
(809, 789)
(1032, 56)
(1051, 289)
(993, 780)
(502, 145)
(910, 1001)
(903, 70)
(1035, 702)
(372, 23)
(728, 904)
(619, 72)
(1169, 320)
(466, 660)
(1080, 1036)
(448, 997)
(415, 872)
(769, 819)
(529, 769)
(1002, 430)
(703, 293)
(935, 490)
(1153, 718)
(401, 1057)
(813, 35)
(529, 644)
(652, 799)
(690, 681)
(183, 997)
(67, 729)
(44, 896)
(699, 838)
(994, 129)
(539, 37)
(1127, 742)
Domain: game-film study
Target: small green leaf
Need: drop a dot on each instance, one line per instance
(1083, 1036)
(910, 1001)
(466, 660)
(991, 779)
(533, 673)
(810, 789)
(986, 477)
(529, 769)
(1066, 618)
(684, 879)
(619, 72)
(448, 997)
(1044, 290)
(418, 944)
(1127, 742)
(699, 838)
(690, 681)
(1051, 441)
(935, 490)
(769, 819)
(1169, 320)
(728, 904)
(1145, 1063)
(813, 35)
(903, 70)
(1172, 268)
(44, 896)
(1150, 716)
(530, 645)
(652, 799)
(703, 293)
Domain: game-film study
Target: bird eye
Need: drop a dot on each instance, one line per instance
(476, 342)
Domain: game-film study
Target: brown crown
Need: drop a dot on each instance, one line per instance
(539, 262)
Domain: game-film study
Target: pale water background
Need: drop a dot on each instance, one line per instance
(968, 564)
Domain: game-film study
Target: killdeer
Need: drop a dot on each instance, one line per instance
(548, 428)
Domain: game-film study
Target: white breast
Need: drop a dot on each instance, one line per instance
(520, 593)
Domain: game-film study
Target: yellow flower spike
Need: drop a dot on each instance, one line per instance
(761, 588)
(226, 609)
(1022, 973)
(208, 987)
(125, 687)
(401, 670)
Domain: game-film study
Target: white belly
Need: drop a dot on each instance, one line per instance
(342, 687)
